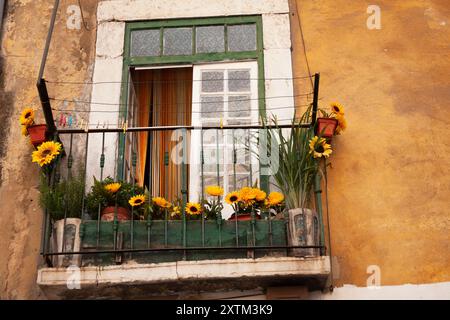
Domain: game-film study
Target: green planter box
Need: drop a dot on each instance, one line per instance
(154, 236)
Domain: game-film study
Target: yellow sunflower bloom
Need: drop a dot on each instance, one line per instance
(46, 152)
(27, 117)
(260, 195)
(137, 200)
(342, 124)
(247, 194)
(274, 198)
(161, 202)
(215, 191)
(232, 197)
(319, 147)
(337, 108)
(113, 187)
(193, 208)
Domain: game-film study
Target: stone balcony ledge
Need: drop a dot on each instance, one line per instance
(143, 280)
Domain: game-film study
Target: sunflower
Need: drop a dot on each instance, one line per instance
(46, 152)
(161, 202)
(232, 197)
(274, 198)
(247, 194)
(260, 195)
(342, 124)
(137, 200)
(193, 208)
(175, 211)
(319, 147)
(27, 117)
(113, 187)
(215, 191)
(337, 108)
(24, 131)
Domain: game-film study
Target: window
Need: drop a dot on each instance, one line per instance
(223, 94)
(227, 93)
(179, 41)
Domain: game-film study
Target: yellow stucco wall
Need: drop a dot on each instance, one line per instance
(389, 187)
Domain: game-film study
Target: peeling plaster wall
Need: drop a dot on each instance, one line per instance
(389, 185)
(388, 188)
(25, 28)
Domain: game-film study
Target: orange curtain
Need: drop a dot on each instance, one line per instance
(171, 105)
(164, 98)
(143, 88)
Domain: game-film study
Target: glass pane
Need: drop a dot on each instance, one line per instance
(211, 106)
(145, 43)
(177, 41)
(242, 180)
(212, 81)
(242, 37)
(239, 106)
(239, 80)
(211, 159)
(210, 136)
(210, 39)
(211, 180)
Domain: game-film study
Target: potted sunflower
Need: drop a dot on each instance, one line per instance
(193, 211)
(160, 208)
(246, 201)
(332, 122)
(37, 132)
(112, 198)
(47, 154)
(299, 151)
(213, 206)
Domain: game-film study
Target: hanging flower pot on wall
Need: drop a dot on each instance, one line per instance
(37, 133)
(326, 127)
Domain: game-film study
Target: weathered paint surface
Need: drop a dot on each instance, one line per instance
(71, 57)
(388, 188)
(389, 184)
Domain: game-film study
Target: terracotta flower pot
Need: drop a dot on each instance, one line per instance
(123, 214)
(244, 217)
(326, 127)
(38, 134)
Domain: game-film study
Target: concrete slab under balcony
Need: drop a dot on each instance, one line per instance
(169, 279)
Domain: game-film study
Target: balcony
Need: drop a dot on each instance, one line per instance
(146, 255)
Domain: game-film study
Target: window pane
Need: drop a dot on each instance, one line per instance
(177, 41)
(211, 107)
(212, 81)
(239, 106)
(212, 158)
(210, 136)
(242, 37)
(145, 43)
(242, 180)
(210, 39)
(211, 180)
(238, 80)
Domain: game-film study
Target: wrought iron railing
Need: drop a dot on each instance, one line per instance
(95, 241)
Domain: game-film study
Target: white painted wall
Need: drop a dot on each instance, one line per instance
(431, 291)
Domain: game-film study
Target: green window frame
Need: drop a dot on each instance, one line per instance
(129, 61)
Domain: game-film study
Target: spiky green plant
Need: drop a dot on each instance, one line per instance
(296, 166)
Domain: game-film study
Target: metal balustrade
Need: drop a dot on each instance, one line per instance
(150, 240)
